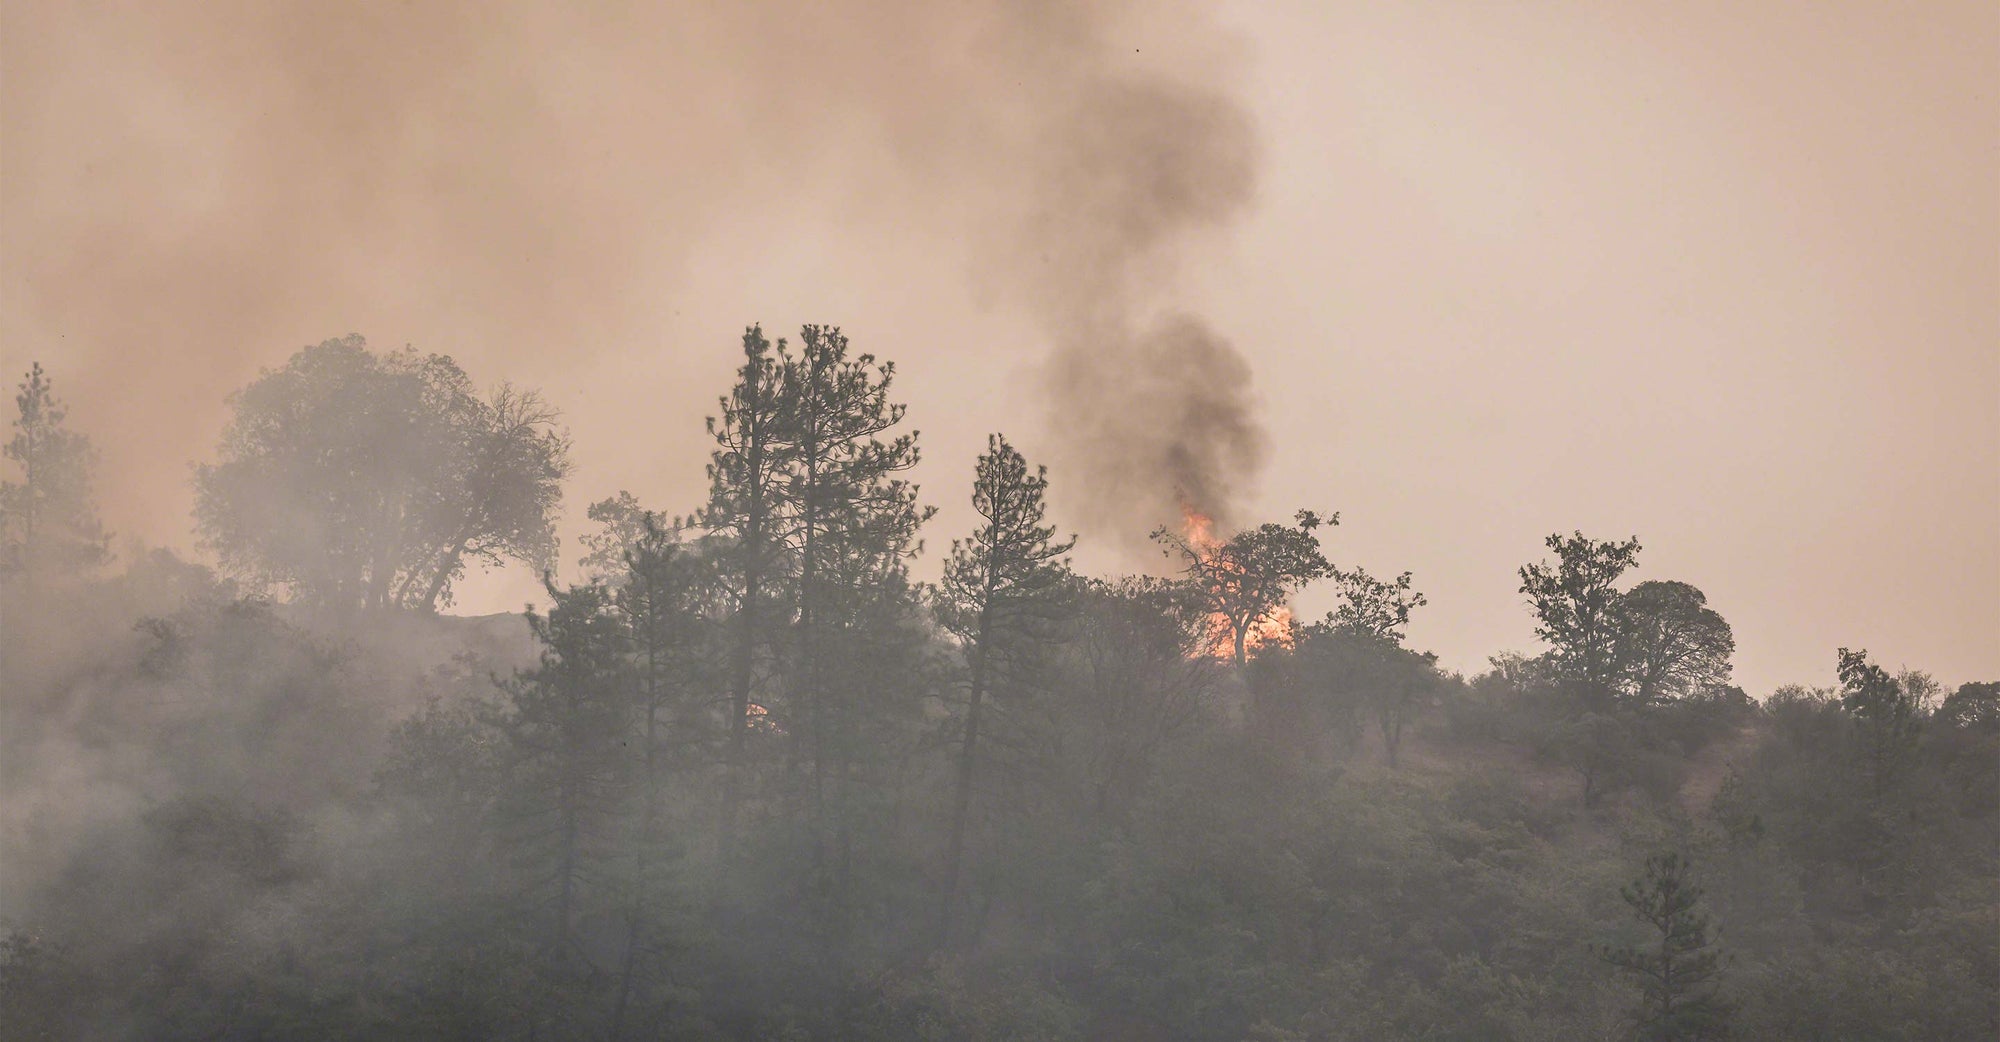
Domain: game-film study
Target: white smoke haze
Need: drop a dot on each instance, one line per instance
(192, 194)
(1463, 274)
(1484, 232)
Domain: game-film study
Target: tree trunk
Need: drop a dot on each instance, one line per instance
(403, 589)
(642, 861)
(382, 565)
(744, 654)
(743, 661)
(625, 979)
(962, 800)
(566, 869)
(808, 673)
(443, 575)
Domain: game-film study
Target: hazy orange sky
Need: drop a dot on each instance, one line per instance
(1724, 276)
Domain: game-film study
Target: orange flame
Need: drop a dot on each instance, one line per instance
(1199, 528)
(1218, 634)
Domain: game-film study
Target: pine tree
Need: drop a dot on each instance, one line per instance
(662, 596)
(1680, 973)
(741, 517)
(1004, 590)
(49, 517)
(567, 721)
(850, 525)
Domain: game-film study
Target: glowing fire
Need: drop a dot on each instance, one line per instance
(1218, 635)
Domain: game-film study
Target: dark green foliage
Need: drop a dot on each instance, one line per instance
(223, 820)
(1575, 601)
(1679, 969)
(622, 523)
(1358, 652)
(741, 516)
(1886, 714)
(1008, 582)
(1373, 678)
(1973, 707)
(1965, 736)
(1373, 607)
(1734, 809)
(847, 525)
(567, 721)
(1657, 642)
(1599, 747)
(1671, 644)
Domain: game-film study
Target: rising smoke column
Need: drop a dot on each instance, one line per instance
(1156, 403)
(194, 191)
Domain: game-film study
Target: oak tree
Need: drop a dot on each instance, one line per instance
(1671, 644)
(361, 481)
(1373, 607)
(1576, 602)
(1245, 580)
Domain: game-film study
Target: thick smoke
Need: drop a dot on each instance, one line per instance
(1163, 418)
(193, 192)
(1155, 408)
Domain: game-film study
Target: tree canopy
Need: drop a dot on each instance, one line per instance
(1670, 642)
(1679, 969)
(48, 517)
(1246, 579)
(1657, 641)
(363, 481)
(1373, 607)
(746, 779)
(1576, 607)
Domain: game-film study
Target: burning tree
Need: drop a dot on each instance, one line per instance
(1240, 584)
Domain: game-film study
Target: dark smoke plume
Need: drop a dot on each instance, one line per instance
(1154, 404)
(1163, 420)
(194, 191)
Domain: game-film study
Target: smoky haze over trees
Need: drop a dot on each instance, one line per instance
(364, 482)
(1067, 169)
(1475, 266)
(1007, 594)
(744, 778)
(50, 523)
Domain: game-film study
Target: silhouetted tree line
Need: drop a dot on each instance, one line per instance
(747, 779)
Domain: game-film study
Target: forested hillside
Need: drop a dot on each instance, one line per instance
(744, 777)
